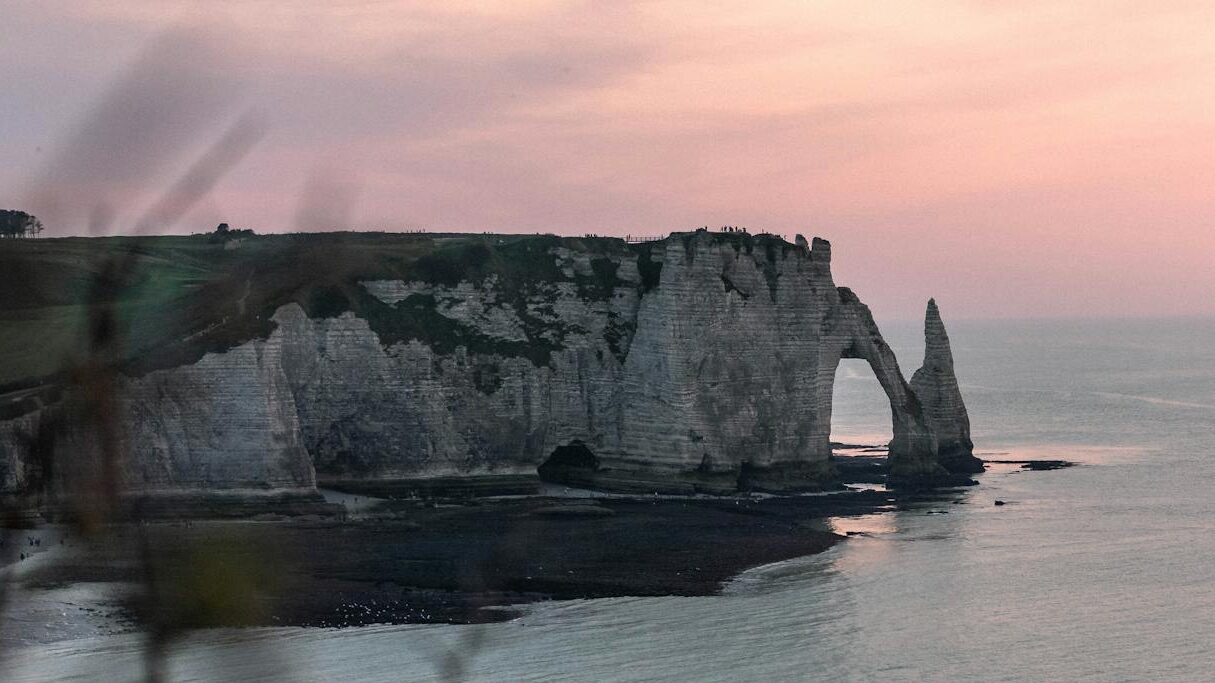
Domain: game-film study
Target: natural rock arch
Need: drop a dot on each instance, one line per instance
(913, 446)
(929, 423)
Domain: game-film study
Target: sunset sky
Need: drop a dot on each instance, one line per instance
(1013, 159)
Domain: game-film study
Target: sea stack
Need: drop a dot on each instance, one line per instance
(936, 385)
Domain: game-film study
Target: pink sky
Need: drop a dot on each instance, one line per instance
(1011, 159)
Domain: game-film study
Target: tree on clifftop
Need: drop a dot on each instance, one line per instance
(18, 224)
(225, 233)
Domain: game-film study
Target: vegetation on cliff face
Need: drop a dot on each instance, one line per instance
(193, 295)
(650, 269)
(517, 271)
(617, 334)
(418, 318)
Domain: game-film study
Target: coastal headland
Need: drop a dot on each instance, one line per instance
(255, 369)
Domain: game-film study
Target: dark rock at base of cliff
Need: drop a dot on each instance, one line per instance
(575, 465)
(437, 487)
(648, 482)
(1046, 465)
(961, 462)
(799, 477)
(1036, 465)
(573, 510)
(874, 469)
(784, 478)
(215, 505)
(929, 482)
(860, 469)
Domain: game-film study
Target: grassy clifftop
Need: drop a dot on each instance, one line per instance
(185, 296)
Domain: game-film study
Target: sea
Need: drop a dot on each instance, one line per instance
(1100, 572)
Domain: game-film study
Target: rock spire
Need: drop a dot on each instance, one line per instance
(936, 385)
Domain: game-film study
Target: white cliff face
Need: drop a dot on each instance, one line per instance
(713, 373)
(227, 422)
(936, 385)
(726, 364)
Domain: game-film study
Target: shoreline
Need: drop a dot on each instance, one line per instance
(456, 560)
(405, 562)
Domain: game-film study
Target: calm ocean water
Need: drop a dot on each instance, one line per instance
(1103, 572)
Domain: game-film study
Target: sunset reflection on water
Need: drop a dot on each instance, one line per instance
(863, 525)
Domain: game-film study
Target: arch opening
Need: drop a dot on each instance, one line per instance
(572, 465)
(861, 421)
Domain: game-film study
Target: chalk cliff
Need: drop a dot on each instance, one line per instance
(937, 388)
(702, 362)
(224, 424)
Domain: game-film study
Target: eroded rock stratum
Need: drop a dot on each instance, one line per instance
(704, 362)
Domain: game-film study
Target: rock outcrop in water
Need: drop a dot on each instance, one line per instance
(702, 362)
(937, 388)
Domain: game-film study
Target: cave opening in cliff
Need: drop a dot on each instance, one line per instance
(860, 410)
(572, 464)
